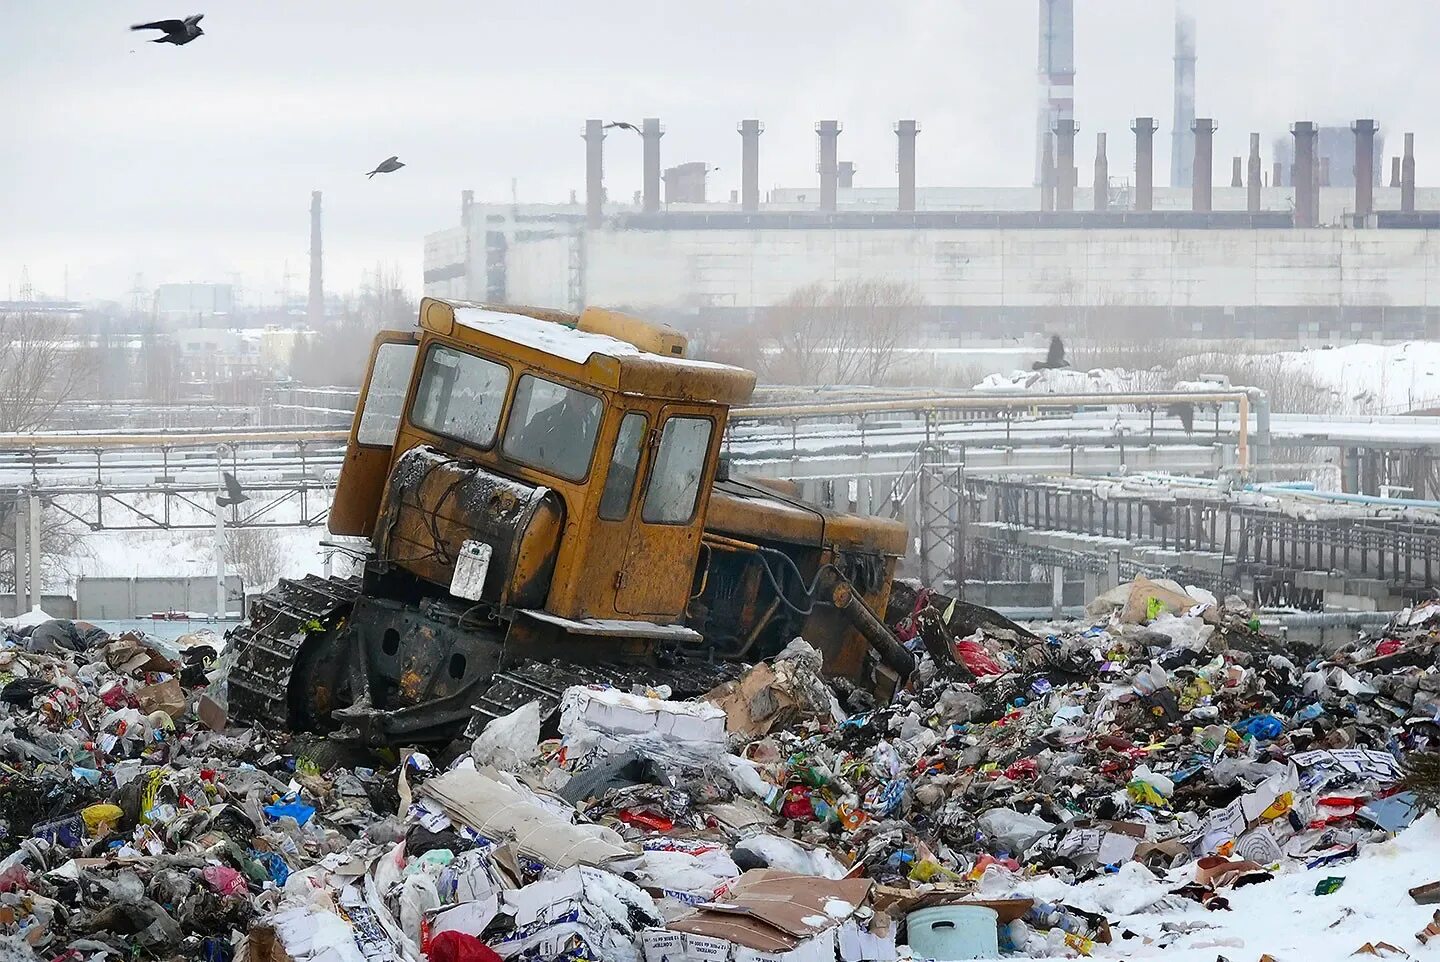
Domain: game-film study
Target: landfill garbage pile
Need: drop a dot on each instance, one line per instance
(1159, 778)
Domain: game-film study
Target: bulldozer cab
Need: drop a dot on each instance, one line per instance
(599, 458)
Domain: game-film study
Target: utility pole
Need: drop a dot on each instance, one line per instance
(220, 489)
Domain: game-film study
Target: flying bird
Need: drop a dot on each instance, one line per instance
(387, 166)
(1185, 411)
(623, 125)
(178, 32)
(1055, 359)
(234, 494)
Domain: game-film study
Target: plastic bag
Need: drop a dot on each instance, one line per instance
(418, 895)
(459, 947)
(510, 742)
(1012, 830)
(977, 659)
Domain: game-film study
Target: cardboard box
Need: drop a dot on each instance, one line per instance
(775, 915)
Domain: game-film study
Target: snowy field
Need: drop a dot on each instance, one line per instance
(1385, 378)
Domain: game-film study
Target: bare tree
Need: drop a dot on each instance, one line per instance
(337, 353)
(41, 368)
(61, 541)
(257, 553)
(837, 334)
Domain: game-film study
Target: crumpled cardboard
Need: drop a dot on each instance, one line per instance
(773, 911)
(167, 696)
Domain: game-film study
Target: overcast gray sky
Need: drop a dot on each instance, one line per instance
(196, 163)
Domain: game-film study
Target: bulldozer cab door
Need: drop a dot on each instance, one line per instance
(667, 516)
(378, 414)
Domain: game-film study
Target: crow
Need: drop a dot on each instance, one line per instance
(1055, 359)
(1185, 411)
(178, 32)
(387, 166)
(623, 125)
(233, 493)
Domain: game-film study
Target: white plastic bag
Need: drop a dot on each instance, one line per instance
(511, 742)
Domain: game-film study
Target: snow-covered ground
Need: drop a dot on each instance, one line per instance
(1283, 918)
(1386, 378)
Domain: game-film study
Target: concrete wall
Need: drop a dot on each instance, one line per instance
(57, 606)
(740, 269)
(121, 598)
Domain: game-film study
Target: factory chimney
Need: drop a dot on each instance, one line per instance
(1252, 195)
(315, 307)
(1102, 174)
(650, 133)
(829, 167)
(1303, 173)
(594, 172)
(750, 164)
(1394, 171)
(1056, 75)
(1202, 179)
(1407, 175)
(1047, 173)
(906, 130)
(1277, 178)
(1237, 168)
(847, 174)
(1065, 131)
(1144, 128)
(1364, 169)
(1182, 148)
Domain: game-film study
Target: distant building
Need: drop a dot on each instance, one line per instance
(194, 301)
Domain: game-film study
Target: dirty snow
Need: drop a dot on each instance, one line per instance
(1283, 917)
(1060, 381)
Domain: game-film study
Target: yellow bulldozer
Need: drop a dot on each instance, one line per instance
(547, 504)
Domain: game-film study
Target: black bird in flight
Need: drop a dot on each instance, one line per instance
(623, 125)
(1185, 411)
(178, 32)
(387, 166)
(233, 492)
(1056, 357)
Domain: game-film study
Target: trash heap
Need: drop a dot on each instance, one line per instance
(1120, 787)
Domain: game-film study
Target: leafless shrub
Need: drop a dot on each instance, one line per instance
(62, 539)
(846, 333)
(257, 553)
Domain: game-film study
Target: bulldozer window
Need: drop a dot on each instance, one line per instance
(620, 483)
(678, 467)
(385, 399)
(461, 396)
(552, 427)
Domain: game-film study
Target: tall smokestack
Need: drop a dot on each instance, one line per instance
(1047, 173)
(1237, 171)
(1144, 128)
(1407, 175)
(1182, 147)
(315, 307)
(1303, 174)
(847, 174)
(1202, 179)
(750, 131)
(829, 167)
(1394, 171)
(1252, 195)
(906, 130)
(1277, 177)
(1065, 131)
(650, 133)
(1056, 75)
(1102, 174)
(1364, 168)
(594, 172)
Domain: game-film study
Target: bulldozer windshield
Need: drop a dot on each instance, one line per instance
(461, 396)
(552, 427)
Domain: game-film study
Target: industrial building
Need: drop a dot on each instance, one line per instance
(1309, 243)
